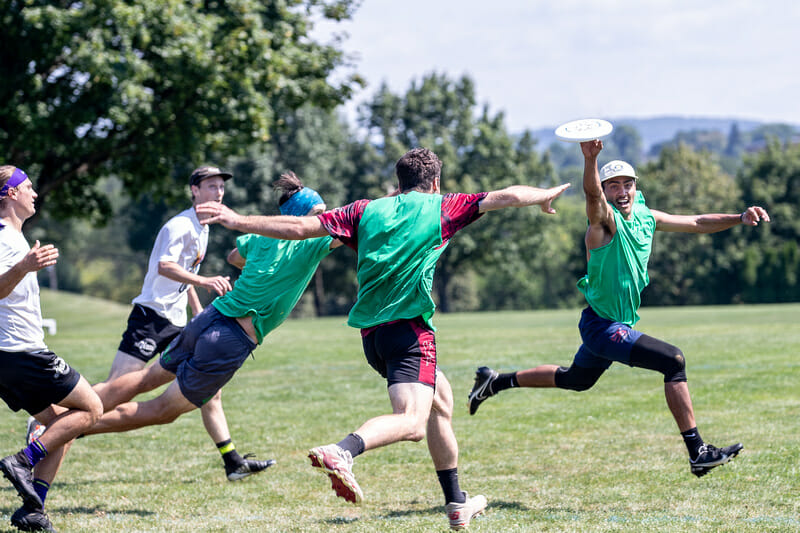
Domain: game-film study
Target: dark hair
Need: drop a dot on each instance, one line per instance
(288, 184)
(418, 169)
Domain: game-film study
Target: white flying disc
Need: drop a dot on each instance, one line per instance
(585, 129)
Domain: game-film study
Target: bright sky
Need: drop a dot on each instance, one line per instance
(544, 62)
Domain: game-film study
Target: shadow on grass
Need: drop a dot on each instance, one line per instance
(439, 509)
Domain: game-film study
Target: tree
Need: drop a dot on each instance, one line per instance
(478, 154)
(771, 264)
(688, 268)
(146, 90)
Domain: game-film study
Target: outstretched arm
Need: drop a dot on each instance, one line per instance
(710, 222)
(278, 227)
(522, 196)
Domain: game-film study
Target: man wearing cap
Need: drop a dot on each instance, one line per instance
(618, 245)
(31, 376)
(215, 344)
(159, 312)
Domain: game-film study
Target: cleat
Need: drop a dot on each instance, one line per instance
(247, 468)
(18, 470)
(481, 390)
(711, 457)
(34, 430)
(338, 464)
(31, 519)
(460, 514)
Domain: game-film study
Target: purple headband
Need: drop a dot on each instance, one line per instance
(17, 177)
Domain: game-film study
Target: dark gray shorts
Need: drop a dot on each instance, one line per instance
(206, 354)
(35, 380)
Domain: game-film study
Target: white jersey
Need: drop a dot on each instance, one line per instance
(20, 311)
(182, 240)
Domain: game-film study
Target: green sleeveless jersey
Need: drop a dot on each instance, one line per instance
(617, 271)
(399, 242)
(274, 277)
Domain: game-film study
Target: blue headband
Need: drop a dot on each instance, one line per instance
(17, 177)
(301, 202)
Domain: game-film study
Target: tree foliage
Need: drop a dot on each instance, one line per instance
(145, 90)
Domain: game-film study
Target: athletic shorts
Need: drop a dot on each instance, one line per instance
(206, 354)
(403, 351)
(35, 380)
(604, 341)
(148, 333)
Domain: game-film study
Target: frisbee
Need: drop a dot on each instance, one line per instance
(585, 129)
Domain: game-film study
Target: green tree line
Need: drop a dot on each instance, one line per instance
(110, 104)
(513, 259)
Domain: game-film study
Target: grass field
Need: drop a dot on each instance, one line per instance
(609, 459)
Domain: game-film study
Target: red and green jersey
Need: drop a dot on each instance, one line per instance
(398, 240)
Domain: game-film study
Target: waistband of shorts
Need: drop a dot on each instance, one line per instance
(235, 326)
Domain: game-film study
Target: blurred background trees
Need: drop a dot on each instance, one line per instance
(109, 115)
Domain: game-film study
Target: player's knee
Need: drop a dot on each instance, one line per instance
(675, 367)
(654, 354)
(577, 378)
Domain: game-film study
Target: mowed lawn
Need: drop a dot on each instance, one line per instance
(609, 459)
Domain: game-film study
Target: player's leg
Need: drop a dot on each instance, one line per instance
(127, 386)
(654, 354)
(443, 447)
(124, 363)
(134, 415)
(237, 467)
(34, 381)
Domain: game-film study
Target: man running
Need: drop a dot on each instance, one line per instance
(398, 240)
(618, 244)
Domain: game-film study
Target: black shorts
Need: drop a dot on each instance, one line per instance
(403, 351)
(35, 380)
(148, 333)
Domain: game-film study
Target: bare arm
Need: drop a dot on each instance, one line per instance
(597, 209)
(710, 222)
(173, 271)
(194, 301)
(521, 196)
(37, 258)
(235, 258)
(285, 227)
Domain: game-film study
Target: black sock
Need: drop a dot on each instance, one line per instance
(693, 441)
(229, 454)
(448, 479)
(353, 444)
(503, 382)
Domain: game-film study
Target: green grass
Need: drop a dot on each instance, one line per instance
(609, 459)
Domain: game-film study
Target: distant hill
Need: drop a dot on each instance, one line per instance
(661, 129)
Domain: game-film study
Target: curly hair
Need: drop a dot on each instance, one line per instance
(418, 169)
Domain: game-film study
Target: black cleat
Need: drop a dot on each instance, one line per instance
(18, 470)
(31, 519)
(247, 467)
(711, 457)
(484, 377)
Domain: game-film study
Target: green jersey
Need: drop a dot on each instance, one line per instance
(273, 279)
(399, 242)
(617, 271)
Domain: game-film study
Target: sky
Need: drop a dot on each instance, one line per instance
(544, 62)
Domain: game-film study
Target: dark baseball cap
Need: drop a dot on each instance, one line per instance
(206, 172)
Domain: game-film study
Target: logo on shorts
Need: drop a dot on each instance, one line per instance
(620, 335)
(146, 347)
(59, 366)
